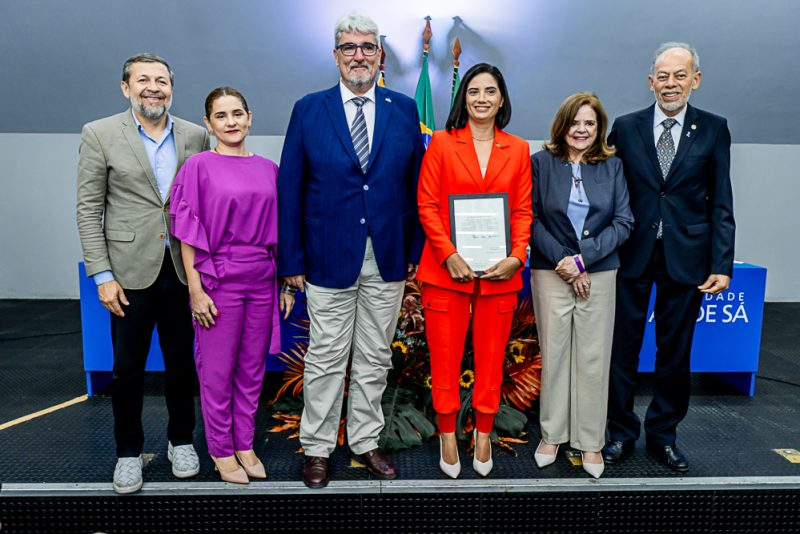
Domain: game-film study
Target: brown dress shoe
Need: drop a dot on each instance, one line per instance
(315, 471)
(378, 464)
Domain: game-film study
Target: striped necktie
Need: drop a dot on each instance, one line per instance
(665, 148)
(358, 132)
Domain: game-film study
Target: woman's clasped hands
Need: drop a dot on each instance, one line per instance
(568, 270)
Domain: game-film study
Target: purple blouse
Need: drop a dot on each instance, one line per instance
(219, 200)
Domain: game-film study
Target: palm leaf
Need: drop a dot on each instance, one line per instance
(295, 362)
(522, 382)
(510, 421)
(464, 420)
(405, 425)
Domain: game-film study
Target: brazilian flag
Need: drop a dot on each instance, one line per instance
(424, 100)
(456, 85)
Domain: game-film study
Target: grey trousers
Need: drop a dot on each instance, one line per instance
(575, 338)
(360, 319)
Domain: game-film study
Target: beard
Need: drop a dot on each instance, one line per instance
(673, 106)
(360, 83)
(150, 112)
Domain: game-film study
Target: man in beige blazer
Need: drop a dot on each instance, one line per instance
(127, 163)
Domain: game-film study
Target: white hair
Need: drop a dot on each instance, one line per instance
(675, 44)
(357, 23)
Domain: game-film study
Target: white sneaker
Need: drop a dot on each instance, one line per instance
(185, 462)
(128, 475)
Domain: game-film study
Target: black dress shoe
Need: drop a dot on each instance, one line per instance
(670, 456)
(315, 471)
(378, 464)
(615, 451)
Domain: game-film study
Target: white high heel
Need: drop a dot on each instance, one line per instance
(593, 469)
(543, 460)
(451, 470)
(482, 468)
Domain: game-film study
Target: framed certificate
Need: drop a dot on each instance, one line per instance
(479, 229)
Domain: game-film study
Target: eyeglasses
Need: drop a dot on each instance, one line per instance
(349, 49)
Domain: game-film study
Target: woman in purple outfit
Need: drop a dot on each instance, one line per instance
(224, 211)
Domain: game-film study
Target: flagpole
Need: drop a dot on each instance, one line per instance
(456, 77)
(382, 76)
(424, 96)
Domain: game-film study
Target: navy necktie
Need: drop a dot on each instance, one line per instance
(358, 132)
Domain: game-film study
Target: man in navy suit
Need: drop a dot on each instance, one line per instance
(349, 235)
(677, 166)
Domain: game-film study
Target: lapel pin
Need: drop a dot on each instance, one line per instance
(688, 134)
(387, 99)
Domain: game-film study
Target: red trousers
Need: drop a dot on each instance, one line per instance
(447, 316)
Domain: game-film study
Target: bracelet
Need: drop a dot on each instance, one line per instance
(578, 262)
(288, 290)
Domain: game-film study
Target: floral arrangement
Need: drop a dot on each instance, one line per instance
(407, 401)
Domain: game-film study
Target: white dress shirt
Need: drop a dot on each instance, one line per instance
(350, 108)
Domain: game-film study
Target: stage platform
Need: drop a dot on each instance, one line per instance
(55, 469)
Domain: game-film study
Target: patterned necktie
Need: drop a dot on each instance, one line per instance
(665, 148)
(358, 131)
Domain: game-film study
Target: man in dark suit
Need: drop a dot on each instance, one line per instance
(126, 166)
(348, 233)
(677, 165)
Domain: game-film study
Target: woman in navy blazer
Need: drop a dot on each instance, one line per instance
(581, 217)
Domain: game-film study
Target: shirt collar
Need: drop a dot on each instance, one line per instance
(348, 95)
(139, 124)
(659, 116)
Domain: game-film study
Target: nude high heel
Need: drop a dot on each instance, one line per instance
(246, 459)
(227, 472)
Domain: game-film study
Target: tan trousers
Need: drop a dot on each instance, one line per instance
(362, 319)
(575, 338)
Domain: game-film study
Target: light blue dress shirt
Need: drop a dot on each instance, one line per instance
(658, 127)
(578, 207)
(164, 161)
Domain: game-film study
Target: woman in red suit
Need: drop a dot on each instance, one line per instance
(473, 155)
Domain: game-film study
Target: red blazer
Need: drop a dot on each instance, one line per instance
(451, 167)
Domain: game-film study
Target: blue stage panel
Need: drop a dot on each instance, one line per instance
(728, 334)
(98, 359)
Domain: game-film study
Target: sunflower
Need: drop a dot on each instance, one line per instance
(428, 382)
(400, 345)
(467, 379)
(515, 349)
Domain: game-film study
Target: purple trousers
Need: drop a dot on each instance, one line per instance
(231, 355)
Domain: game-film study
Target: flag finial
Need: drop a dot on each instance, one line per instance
(456, 51)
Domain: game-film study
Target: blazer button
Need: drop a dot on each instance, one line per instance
(366, 187)
(662, 194)
(363, 221)
(161, 235)
(586, 232)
